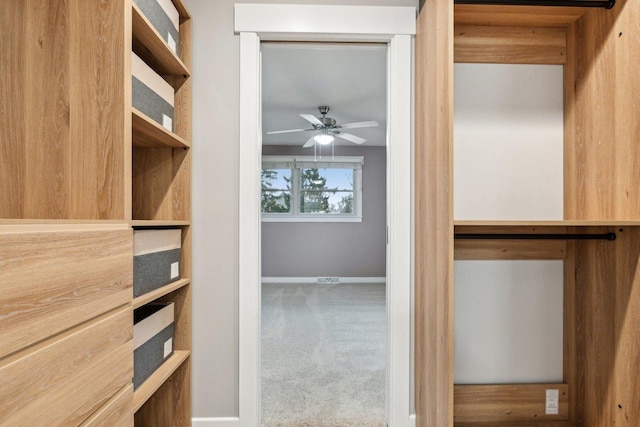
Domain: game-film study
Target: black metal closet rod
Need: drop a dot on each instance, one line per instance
(532, 236)
(608, 4)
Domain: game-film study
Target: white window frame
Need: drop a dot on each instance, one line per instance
(295, 215)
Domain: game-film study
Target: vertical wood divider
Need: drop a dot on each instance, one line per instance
(433, 216)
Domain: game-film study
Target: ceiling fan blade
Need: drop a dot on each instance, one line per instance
(309, 143)
(350, 137)
(287, 131)
(353, 125)
(313, 119)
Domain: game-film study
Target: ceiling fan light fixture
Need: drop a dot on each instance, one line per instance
(324, 138)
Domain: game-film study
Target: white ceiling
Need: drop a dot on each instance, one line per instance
(299, 77)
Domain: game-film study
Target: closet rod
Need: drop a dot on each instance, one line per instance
(608, 4)
(532, 236)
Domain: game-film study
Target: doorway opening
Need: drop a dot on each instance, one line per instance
(394, 26)
(323, 247)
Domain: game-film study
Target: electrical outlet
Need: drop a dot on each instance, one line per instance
(552, 402)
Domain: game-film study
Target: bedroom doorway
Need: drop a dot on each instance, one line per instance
(391, 25)
(323, 250)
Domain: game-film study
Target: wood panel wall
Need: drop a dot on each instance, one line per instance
(606, 327)
(602, 156)
(434, 216)
(61, 120)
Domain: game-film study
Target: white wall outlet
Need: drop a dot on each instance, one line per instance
(175, 269)
(552, 402)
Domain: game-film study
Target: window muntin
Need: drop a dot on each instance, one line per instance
(300, 188)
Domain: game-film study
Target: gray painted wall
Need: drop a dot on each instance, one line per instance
(215, 200)
(344, 249)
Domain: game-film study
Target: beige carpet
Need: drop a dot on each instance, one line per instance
(323, 355)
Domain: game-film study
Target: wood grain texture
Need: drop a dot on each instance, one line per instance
(517, 16)
(148, 133)
(569, 353)
(161, 184)
(154, 295)
(55, 280)
(562, 423)
(62, 122)
(509, 249)
(118, 411)
(602, 170)
(170, 404)
(434, 216)
(510, 45)
(606, 323)
(158, 378)
(182, 10)
(507, 403)
(64, 381)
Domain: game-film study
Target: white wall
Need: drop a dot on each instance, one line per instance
(508, 142)
(340, 249)
(508, 323)
(215, 200)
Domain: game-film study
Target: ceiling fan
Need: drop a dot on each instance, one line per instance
(327, 129)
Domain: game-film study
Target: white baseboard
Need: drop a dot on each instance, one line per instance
(235, 422)
(266, 280)
(216, 422)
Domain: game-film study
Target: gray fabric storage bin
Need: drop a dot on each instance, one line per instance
(164, 17)
(151, 94)
(156, 259)
(153, 331)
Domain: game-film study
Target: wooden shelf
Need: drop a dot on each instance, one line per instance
(154, 295)
(182, 10)
(158, 378)
(560, 423)
(152, 48)
(149, 134)
(566, 223)
(158, 223)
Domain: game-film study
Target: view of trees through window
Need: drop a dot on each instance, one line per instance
(315, 191)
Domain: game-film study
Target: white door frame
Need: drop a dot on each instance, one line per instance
(396, 26)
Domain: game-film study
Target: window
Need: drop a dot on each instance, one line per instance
(298, 188)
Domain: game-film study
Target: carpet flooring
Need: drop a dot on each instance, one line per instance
(323, 355)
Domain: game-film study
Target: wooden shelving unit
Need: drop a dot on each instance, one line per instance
(154, 295)
(152, 48)
(601, 312)
(158, 378)
(147, 133)
(80, 169)
(161, 198)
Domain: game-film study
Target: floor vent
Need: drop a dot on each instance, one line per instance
(328, 280)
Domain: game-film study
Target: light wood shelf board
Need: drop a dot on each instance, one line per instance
(516, 16)
(510, 45)
(507, 403)
(152, 48)
(182, 10)
(158, 223)
(560, 423)
(155, 381)
(25, 226)
(567, 223)
(154, 295)
(149, 134)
